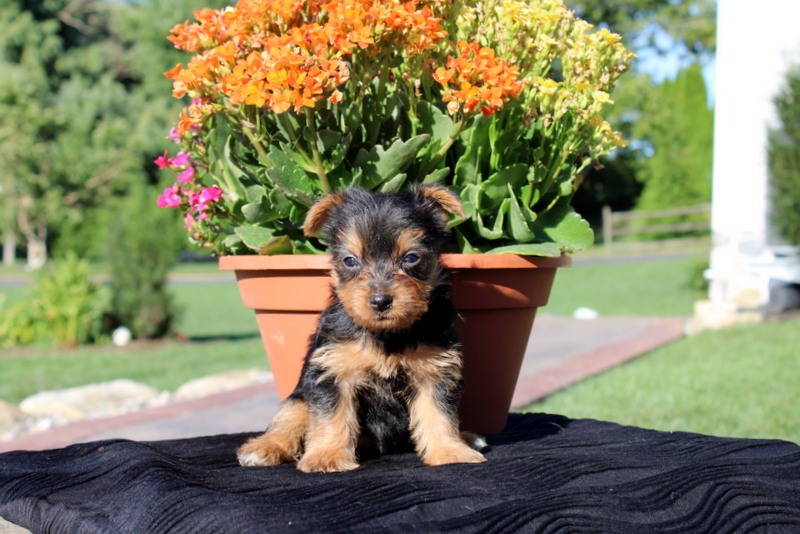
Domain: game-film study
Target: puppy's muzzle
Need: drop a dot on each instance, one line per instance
(381, 302)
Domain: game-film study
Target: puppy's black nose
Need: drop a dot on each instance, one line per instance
(380, 302)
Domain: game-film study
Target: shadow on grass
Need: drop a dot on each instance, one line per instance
(232, 337)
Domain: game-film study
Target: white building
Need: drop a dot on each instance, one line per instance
(757, 42)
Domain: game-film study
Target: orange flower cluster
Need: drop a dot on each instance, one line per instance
(477, 80)
(284, 54)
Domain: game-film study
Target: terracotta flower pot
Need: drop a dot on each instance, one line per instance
(496, 294)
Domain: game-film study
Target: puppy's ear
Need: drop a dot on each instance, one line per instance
(319, 213)
(443, 198)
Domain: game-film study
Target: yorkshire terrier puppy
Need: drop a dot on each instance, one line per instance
(384, 366)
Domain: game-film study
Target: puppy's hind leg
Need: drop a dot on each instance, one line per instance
(283, 440)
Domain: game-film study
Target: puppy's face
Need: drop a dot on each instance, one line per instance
(385, 251)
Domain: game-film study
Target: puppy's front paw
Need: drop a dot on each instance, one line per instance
(474, 440)
(453, 454)
(328, 462)
(263, 451)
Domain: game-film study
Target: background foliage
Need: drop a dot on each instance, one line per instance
(84, 108)
(784, 160)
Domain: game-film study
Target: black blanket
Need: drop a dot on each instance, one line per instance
(545, 473)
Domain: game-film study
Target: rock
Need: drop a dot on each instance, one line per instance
(92, 401)
(221, 382)
(710, 315)
(7, 527)
(11, 420)
(585, 314)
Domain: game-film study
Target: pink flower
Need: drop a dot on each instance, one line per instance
(189, 222)
(187, 175)
(162, 161)
(210, 194)
(181, 160)
(174, 135)
(170, 198)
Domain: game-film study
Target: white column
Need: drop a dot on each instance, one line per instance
(756, 44)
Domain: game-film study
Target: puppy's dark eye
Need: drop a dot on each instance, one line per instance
(411, 259)
(350, 262)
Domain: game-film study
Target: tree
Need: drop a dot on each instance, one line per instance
(63, 115)
(783, 159)
(680, 131)
(84, 110)
(686, 28)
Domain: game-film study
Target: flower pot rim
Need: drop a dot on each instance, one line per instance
(451, 261)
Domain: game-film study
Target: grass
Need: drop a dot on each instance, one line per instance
(224, 334)
(641, 288)
(738, 382)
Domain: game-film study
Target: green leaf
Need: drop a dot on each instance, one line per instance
(548, 250)
(394, 185)
(434, 121)
(280, 203)
(517, 224)
(293, 181)
(496, 232)
(496, 187)
(475, 139)
(333, 146)
(464, 246)
(470, 197)
(564, 227)
(379, 165)
(436, 177)
(264, 240)
(233, 244)
(255, 193)
(254, 212)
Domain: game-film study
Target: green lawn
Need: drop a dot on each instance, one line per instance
(738, 382)
(208, 312)
(648, 288)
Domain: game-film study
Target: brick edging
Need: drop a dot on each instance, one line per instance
(539, 385)
(56, 437)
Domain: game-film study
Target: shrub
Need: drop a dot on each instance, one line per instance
(142, 245)
(67, 308)
(783, 156)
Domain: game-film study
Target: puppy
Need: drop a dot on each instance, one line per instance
(383, 370)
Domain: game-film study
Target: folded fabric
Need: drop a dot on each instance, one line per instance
(545, 473)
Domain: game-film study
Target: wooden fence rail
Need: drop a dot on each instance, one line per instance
(612, 227)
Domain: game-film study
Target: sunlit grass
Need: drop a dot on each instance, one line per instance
(738, 382)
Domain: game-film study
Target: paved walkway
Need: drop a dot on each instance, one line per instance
(561, 351)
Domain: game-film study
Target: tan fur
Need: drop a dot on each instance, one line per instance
(448, 200)
(282, 442)
(434, 432)
(410, 302)
(353, 242)
(318, 214)
(407, 241)
(331, 440)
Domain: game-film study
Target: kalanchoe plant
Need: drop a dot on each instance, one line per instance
(290, 99)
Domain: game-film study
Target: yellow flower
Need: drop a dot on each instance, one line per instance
(547, 85)
(602, 97)
(609, 37)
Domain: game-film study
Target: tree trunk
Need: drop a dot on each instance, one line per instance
(37, 249)
(9, 247)
(36, 239)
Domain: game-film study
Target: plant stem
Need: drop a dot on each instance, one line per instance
(256, 144)
(323, 177)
